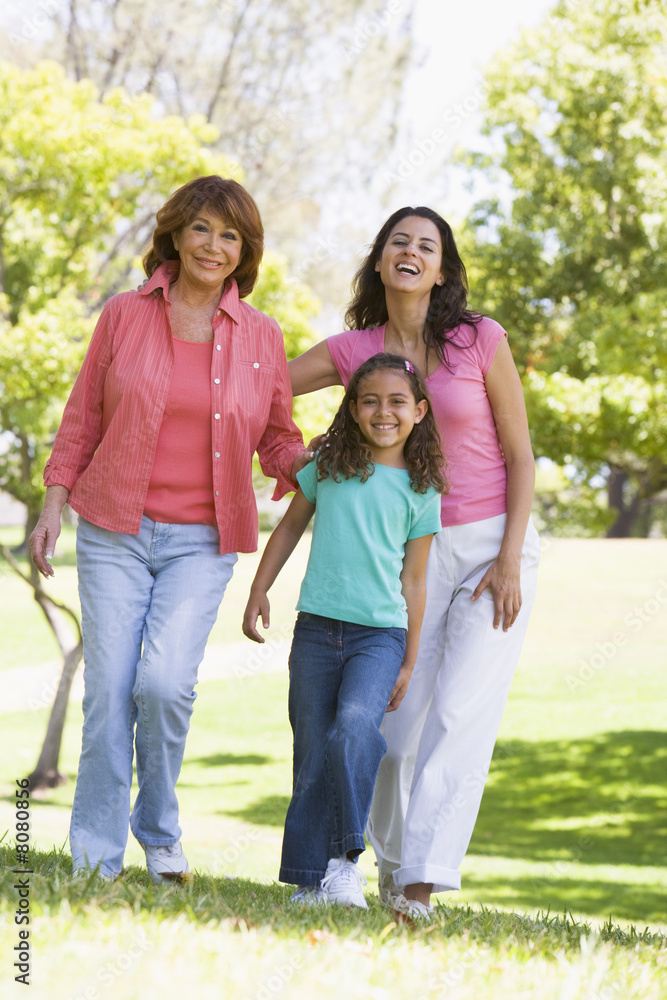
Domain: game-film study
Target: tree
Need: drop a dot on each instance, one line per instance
(573, 261)
(303, 93)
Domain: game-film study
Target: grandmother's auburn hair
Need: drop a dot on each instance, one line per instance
(447, 308)
(222, 197)
(343, 451)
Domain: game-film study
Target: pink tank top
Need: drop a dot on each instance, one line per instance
(181, 485)
(475, 465)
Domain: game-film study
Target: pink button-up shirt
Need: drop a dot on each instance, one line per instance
(105, 447)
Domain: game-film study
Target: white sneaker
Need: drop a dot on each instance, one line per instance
(342, 883)
(167, 864)
(412, 908)
(311, 896)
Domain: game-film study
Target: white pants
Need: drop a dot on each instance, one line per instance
(440, 741)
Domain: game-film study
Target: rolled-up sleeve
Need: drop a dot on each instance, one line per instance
(282, 440)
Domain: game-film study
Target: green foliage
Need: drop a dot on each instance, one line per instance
(567, 506)
(79, 175)
(290, 303)
(574, 266)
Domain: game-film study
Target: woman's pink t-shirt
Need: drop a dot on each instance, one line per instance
(181, 484)
(474, 460)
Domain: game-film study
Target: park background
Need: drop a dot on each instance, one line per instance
(544, 146)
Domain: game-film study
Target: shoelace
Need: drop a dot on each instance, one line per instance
(347, 873)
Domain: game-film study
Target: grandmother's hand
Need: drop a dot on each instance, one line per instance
(43, 541)
(302, 460)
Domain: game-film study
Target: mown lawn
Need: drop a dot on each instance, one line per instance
(566, 868)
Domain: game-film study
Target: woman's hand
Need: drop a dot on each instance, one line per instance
(305, 457)
(400, 687)
(503, 577)
(45, 535)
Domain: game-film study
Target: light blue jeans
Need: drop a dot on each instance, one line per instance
(148, 603)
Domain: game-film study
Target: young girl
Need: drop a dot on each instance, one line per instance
(374, 489)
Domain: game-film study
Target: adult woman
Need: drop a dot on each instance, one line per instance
(410, 299)
(182, 382)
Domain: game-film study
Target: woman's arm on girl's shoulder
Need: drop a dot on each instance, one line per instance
(413, 586)
(505, 392)
(312, 370)
(278, 549)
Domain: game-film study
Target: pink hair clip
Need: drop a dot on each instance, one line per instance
(409, 367)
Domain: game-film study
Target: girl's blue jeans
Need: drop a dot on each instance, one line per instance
(148, 603)
(341, 679)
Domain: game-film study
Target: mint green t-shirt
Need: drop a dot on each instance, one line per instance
(358, 544)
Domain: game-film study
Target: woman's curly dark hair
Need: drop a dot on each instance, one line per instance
(343, 450)
(447, 309)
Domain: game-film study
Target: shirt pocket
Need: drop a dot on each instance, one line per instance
(252, 392)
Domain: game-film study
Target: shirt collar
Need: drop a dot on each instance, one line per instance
(166, 273)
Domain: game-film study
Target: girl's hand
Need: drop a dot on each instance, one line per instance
(503, 578)
(258, 604)
(400, 687)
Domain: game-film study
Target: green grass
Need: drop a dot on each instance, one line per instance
(565, 871)
(238, 938)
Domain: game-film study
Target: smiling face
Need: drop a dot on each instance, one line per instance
(386, 411)
(411, 258)
(209, 250)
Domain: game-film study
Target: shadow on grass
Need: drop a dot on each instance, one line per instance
(226, 759)
(596, 801)
(269, 811)
(620, 901)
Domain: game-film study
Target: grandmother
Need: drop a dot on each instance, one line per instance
(183, 381)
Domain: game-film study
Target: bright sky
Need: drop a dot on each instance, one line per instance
(457, 39)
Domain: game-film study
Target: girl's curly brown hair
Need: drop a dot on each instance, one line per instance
(343, 451)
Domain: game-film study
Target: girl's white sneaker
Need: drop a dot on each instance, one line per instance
(310, 896)
(342, 883)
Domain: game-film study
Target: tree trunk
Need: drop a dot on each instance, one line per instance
(46, 773)
(627, 512)
(30, 524)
